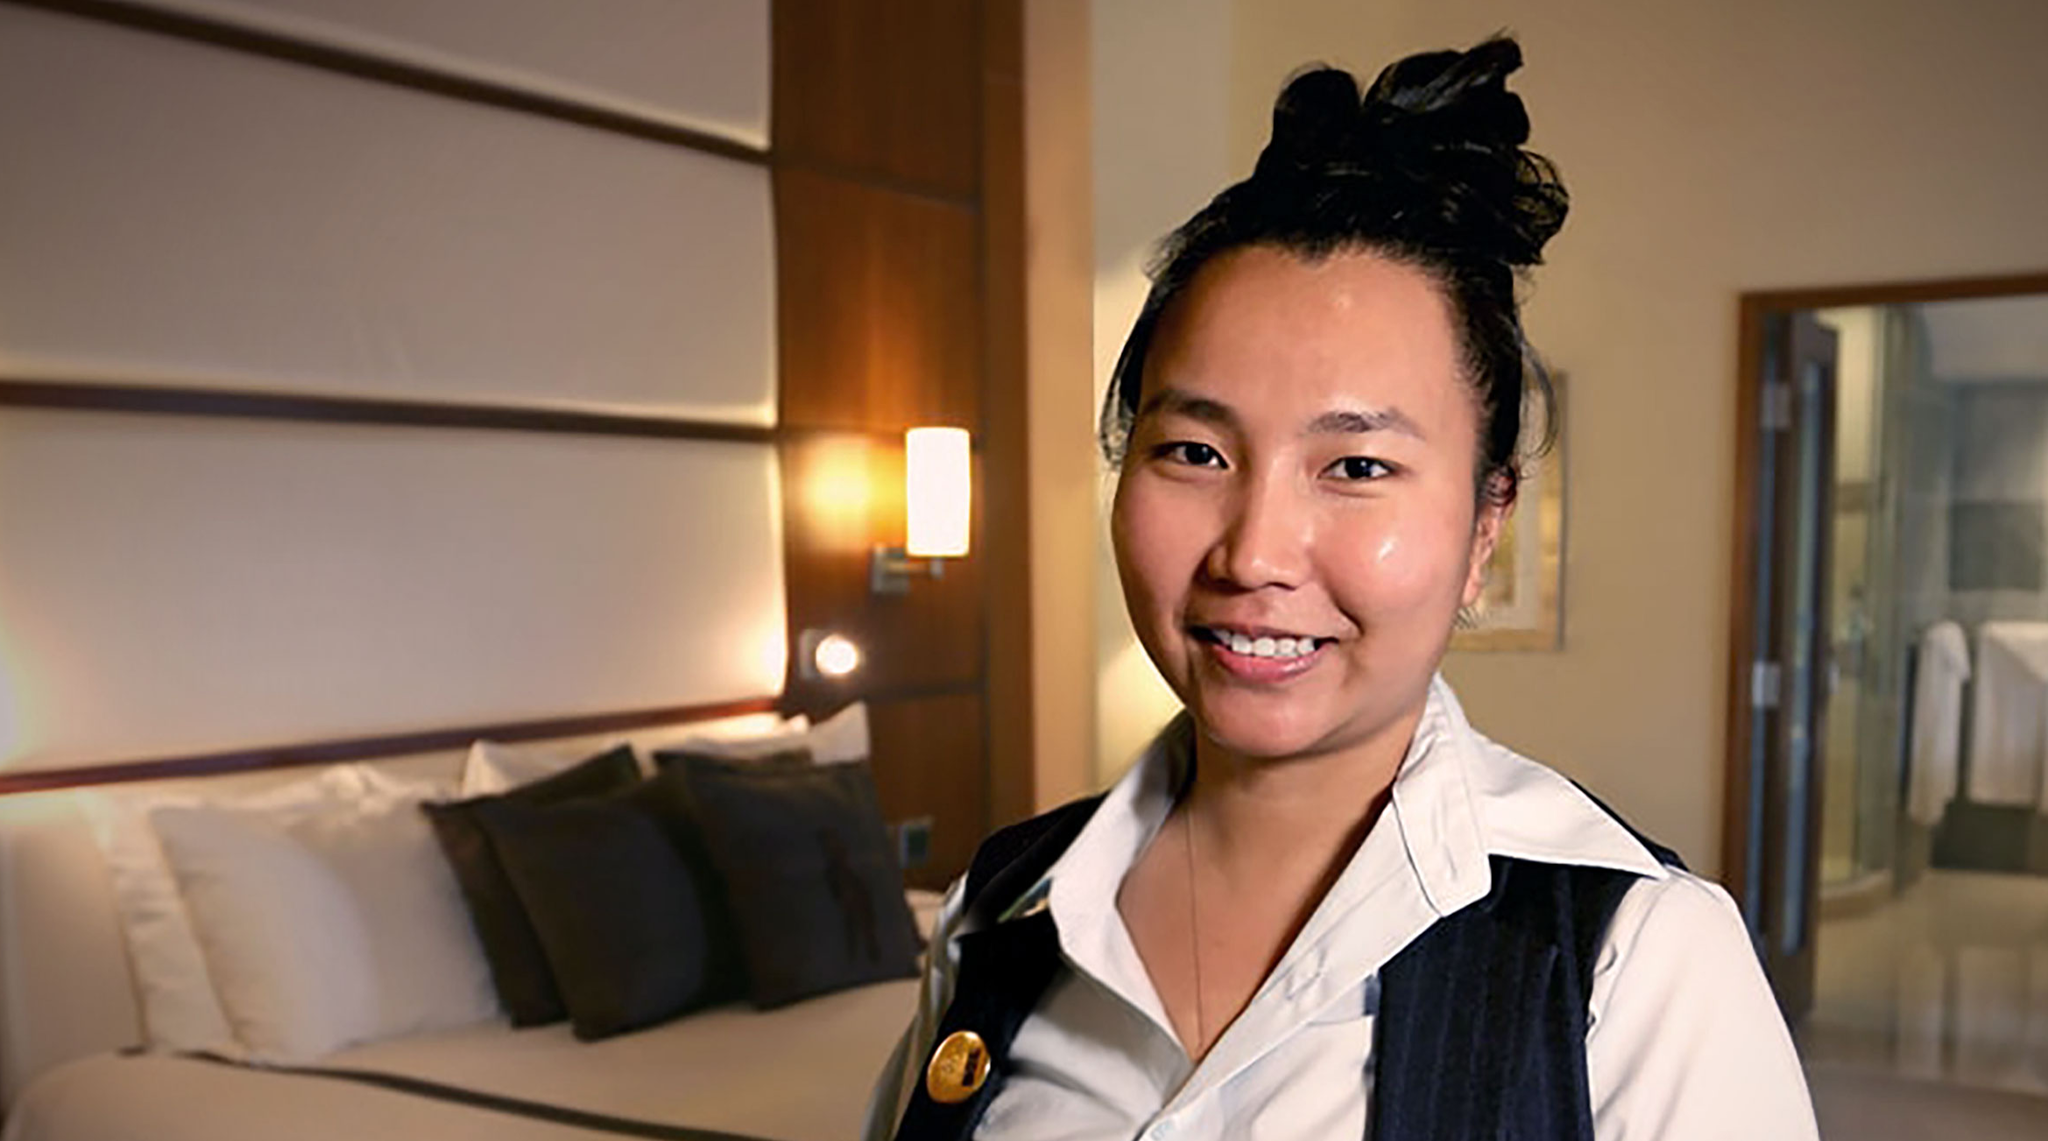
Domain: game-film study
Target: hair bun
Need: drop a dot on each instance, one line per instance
(1436, 140)
(1315, 120)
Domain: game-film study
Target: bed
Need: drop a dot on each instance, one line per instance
(375, 380)
(799, 1073)
(72, 1067)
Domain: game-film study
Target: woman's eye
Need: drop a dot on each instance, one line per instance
(1191, 453)
(1360, 468)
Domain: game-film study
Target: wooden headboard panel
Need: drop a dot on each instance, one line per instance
(899, 209)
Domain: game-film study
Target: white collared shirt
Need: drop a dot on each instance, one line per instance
(1685, 1042)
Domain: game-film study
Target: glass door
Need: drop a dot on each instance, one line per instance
(1793, 679)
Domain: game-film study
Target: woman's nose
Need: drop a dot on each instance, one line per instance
(1265, 539)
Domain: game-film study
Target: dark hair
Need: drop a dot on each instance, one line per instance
(1427, 169)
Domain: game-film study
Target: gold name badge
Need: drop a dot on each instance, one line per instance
(958, 1067)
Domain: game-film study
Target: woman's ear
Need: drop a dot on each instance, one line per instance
(1485, 538)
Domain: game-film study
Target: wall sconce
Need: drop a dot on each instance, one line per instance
(822, 655)
(937, 497)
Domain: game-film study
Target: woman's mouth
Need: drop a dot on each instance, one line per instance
(1259, 654)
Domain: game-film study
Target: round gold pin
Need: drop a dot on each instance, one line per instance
(958, 1067)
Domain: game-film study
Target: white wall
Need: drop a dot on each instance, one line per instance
(1710, 149)
(1988, 339)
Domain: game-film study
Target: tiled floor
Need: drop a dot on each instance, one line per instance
(1857, 1106)
(1931, 1013)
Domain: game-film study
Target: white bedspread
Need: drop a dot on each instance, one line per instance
(802, 1073)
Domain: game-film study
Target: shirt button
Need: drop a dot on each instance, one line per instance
(1163, 1129)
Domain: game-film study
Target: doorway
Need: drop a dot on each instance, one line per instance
(1887, 814)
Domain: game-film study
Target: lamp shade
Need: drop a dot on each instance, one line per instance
(938, 491)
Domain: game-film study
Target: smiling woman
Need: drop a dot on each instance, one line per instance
(1322, 905)
(1300, 470)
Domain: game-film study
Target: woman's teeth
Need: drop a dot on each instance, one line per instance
(1267, 647)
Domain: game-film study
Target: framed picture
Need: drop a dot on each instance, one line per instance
(1521, 606)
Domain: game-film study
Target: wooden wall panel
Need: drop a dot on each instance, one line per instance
(900, 237)
(885, 89)
(879, 306)
(930, 760)
(931, 637)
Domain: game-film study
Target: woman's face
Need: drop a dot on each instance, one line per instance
(1295, 520)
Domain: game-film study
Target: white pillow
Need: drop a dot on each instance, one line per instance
(327, 928)
(180, 1011)
(493, 767)
(839, 738)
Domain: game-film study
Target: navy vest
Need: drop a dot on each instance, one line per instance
(1481, 1031)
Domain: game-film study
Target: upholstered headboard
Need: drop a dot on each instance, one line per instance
(377, 368)
(369, 375)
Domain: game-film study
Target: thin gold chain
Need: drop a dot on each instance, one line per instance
(1194, 931)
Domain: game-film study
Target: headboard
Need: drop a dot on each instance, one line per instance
(375, 372)
(372, 378)
(470, 354)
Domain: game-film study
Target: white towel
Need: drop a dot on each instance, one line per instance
(2009, 716)
(1944, 665)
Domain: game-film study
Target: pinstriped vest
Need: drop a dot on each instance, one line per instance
(1482, 1021)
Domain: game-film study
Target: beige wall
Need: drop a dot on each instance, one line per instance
(1162, 119)
(1710, 149)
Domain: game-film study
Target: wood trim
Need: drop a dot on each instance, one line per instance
(843, 172)
(88, 396)
(1754, 307)
(397, 73)
(1899, 292)
(369, 748)
(1012, 789)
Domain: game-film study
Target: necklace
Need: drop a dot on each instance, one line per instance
(1194, 933)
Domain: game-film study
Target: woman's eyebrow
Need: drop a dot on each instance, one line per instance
(1194, 407)
(1358, 423)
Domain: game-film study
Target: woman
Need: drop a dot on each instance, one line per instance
(1321, 905)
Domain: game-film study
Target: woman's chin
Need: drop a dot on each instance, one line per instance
(1261, 734)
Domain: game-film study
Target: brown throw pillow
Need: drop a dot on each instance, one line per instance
(519, 965)
(612, 903)
(726, 965)
(812, 884)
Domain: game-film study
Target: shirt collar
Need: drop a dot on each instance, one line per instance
(1457, 799)
(1461, 798)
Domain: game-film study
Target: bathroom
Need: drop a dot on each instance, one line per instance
(1933, 937)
